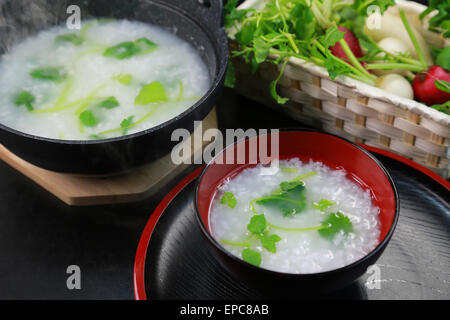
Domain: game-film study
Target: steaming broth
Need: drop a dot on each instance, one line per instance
(308, 219)
(109, 79)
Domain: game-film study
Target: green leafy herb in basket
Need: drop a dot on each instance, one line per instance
(332, 34)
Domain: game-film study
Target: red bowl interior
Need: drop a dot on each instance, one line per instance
(333, 151)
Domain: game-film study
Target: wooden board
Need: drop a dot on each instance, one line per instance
(132, 186)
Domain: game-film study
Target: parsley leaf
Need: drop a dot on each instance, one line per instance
(323, 204)
(232, 14)
(268, 241)
(109, 103)
(440, 22)
(230, 5)
(126, 124)
(73, 38)
(290, 200)
(305, 24)
(361, 6)
(257, 224)
(443, 59)
(247, 32)
(95, 137)
(251, 256)
(336, 68)
(262, 50)
(151, 93)
(229, 199)
(335, 223)
(230, 77)
(122, 50)
(445, 107)
(124, 79)
(126, 50)
(273, 86)
(145, 45)
(442, 85)
(332, 35)
(25, 98)
(289, 186)
(88, 119)
(56, 74)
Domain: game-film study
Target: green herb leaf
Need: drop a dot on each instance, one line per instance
(25, 98)
(95, 137)
(124, 79)
(229, 199)
(361, 6)
(251, 256)
(232, 14)
(268, 241)
(230, 77)
(273, 86)
(262, 50)
(290, 200)
(440, 22)
(335, 223)
(126, 50)
(152, 93)
(125, 124)
(122, 51)
(443, 59)
(73, 38)
(247, 32)
(332, 35)
(305, 23)
(88, 119)
(336, 67)
(292, 186)
(230, 5)
(109, 103)
(323, 204)
(442, 85)
(56, 74)
(257, 224)
(445, 107)
(145, 45)
(254, 65)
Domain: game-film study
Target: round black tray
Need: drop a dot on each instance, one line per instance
(173, 261)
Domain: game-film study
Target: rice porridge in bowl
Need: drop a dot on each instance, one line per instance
(307, 218)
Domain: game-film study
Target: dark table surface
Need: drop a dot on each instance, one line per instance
(40, 236)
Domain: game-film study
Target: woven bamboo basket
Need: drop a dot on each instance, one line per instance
(352, 109)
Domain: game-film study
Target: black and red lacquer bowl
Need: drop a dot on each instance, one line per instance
(335, 152)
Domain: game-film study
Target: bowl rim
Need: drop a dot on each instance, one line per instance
(216, 37)
(380, 246)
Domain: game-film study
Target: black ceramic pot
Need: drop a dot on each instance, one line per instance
(200, 22)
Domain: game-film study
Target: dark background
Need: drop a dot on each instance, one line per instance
(40, 236)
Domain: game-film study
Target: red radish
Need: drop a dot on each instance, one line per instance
(426, 91)
(352, 42)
